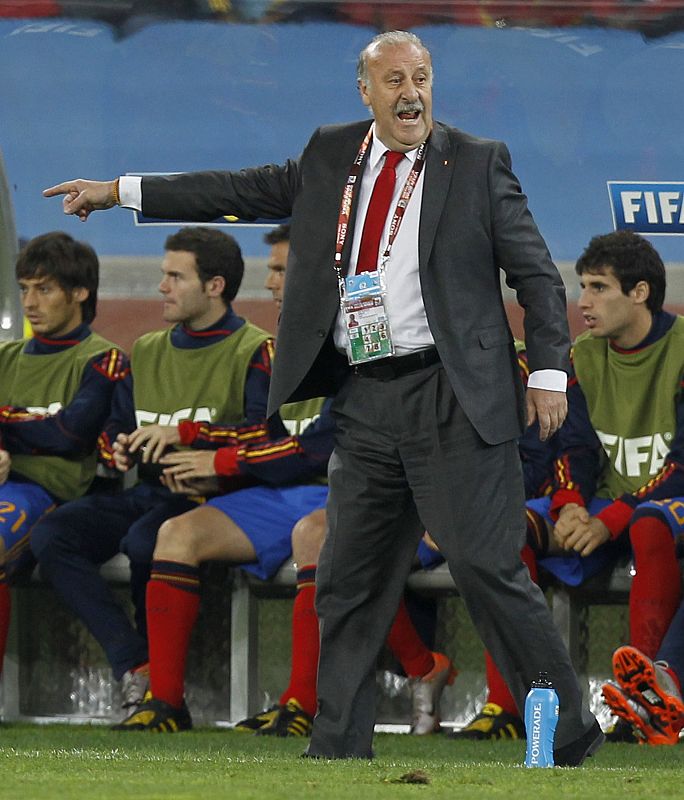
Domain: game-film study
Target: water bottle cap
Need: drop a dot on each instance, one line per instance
(542, 681)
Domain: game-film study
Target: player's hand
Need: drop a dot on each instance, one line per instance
(189, 464)
(5, 465)
(122, 461)
(586, 538)
(201, 486)
(548, 408)
(81, 197)
(177, 486)
(152, 441)
(571, 517)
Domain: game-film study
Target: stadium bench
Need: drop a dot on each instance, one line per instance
(569, 608)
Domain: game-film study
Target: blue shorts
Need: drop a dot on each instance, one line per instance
(22, 504)
(267, 516)
(573, 568)
(429, 558)
(670, 511)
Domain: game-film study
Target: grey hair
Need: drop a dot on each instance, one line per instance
(389, 38)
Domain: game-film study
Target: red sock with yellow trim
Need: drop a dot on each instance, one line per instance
(656, 588)
(5, 613)
(305, 643)
(172, 608)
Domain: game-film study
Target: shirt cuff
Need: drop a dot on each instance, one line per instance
(188, 431)
(553, 380)
(616, 517)
(561, 498)
(225, 461)
(130, 192)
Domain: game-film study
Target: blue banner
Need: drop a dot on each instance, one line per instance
(648, 207)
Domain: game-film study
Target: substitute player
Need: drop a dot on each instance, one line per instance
(620, 475)
(56, 392)
(210, 366)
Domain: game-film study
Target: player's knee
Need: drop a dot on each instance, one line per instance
(176, 541)
(308, 536)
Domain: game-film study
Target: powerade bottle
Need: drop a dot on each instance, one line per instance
(541, 716)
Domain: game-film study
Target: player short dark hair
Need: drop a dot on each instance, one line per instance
(278, 235)
(72, 264)
(216, 254)
(632, 259)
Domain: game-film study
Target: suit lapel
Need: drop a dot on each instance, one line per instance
(439, 166)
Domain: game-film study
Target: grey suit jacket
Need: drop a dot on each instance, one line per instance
(474, 223)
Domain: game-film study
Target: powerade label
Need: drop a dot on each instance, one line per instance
(652, 208)
(536, 736)
(541, 716)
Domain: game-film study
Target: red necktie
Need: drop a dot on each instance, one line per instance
(377, 213)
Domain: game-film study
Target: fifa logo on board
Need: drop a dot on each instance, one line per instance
(647, 207)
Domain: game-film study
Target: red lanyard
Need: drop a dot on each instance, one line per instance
(348, 195)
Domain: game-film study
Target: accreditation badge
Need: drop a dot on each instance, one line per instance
(365, 318)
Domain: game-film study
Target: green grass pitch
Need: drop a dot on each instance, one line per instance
(68, 761)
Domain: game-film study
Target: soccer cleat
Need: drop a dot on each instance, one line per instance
(627, 710)
(492, 723)
(156, 716)
(426, 692)
(134, 685)
(253, 724)
(290, 720)
(654, 704)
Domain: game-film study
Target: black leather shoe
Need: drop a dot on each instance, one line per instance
(573, 754)
(321, 756)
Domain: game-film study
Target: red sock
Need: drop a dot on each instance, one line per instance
(656, 587)
(172, 608)
(498, 691)
(5, 609)
(409, 649)
(305, 644)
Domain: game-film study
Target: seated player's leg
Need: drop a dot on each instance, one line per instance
(655, 592)
(648, 696)
(252, 527)
(294, 712)
(428, 671)
(21, 506)
(71, 543)
(140, 539)
(183, 543)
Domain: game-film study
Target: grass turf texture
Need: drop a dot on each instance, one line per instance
(62, 761)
